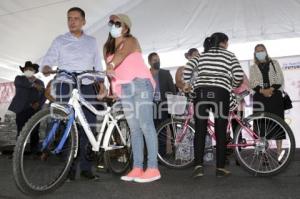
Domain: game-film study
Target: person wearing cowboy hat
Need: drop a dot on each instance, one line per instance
(29, 99)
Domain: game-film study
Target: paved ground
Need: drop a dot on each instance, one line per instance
(8, 132)
(174, 184)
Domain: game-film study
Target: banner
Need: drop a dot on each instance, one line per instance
(7, 92)
(291, 72)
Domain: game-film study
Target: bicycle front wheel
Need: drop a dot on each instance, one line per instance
(38, 167)
(265, 144)
(118, 159)
(176, 144)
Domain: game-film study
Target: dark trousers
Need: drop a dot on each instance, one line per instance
(273, 104)
(217, 100)
(63, 92)
(160, 115)
(234, 123)
(21, 119)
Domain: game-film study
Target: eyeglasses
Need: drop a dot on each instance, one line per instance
(118, 24)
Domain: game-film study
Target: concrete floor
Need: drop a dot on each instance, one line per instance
(174, 184)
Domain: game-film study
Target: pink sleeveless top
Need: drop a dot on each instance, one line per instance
(132, 67)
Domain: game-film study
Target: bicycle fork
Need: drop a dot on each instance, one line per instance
(52, 133)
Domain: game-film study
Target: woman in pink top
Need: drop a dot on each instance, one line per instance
(132, 82)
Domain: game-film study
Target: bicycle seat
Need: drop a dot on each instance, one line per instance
(243, 94)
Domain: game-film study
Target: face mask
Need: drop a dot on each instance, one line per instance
(28, 73)
(261, 56)
(116, 32)
(156, 65)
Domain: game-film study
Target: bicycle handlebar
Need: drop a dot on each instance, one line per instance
(76, 76)
(74, 73)
(190, 95)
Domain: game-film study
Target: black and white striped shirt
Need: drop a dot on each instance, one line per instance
(217, 67)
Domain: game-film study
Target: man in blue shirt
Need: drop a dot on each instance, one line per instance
(75, 52)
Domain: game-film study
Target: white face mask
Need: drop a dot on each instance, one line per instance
(28, 73)
(115, 32)
(261, 56)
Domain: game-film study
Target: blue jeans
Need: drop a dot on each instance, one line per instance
(137, 102)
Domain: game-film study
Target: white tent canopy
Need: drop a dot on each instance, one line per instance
(28, 27)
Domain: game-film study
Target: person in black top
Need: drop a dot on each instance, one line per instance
(28, 100)
(266, 79)
(164, 84)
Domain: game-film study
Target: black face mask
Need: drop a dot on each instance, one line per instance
(156, 65)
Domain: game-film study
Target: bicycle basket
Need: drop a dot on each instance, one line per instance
(176, 104)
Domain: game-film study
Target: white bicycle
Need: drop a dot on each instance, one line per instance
(57, 128)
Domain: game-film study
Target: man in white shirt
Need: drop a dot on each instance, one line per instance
(75, 52)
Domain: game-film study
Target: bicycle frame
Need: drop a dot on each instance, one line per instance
(210, 126)
(229, 130)
(186, 122)
(75, 112)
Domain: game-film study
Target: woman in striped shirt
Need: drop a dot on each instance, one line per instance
(218, 73)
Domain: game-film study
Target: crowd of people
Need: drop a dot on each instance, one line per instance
(216, 72)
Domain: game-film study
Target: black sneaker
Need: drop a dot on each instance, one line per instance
(198, 171)
(221, 172)
(100, 163)
(88, 175)
(71, 175)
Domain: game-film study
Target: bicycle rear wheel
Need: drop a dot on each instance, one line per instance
(174, 152)
(261, 155)
(118, 160)
(43, 170)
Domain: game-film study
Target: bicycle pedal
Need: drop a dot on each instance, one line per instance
(281, 155)
(110, 148)
(122, 159)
